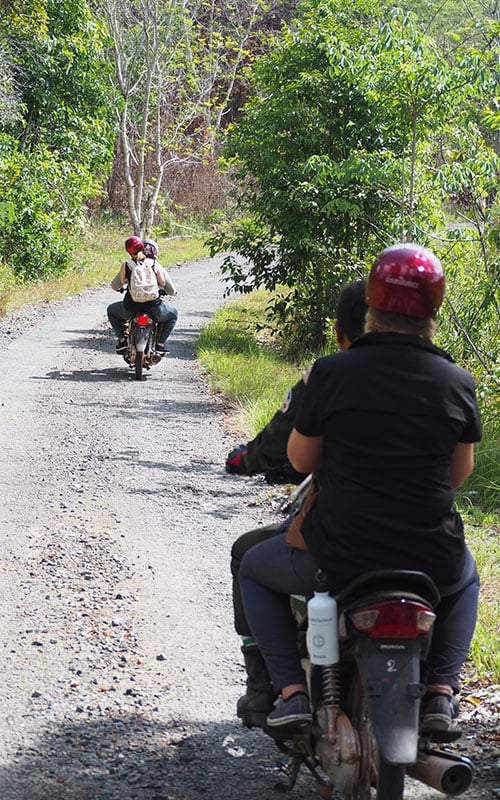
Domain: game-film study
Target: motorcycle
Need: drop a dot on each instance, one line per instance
(141, 339)
(364, 736)
(141, 333)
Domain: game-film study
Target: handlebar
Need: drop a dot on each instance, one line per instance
(161, 291)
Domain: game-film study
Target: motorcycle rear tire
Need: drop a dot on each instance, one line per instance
(389, 778)
(139, 359)
(391, 781)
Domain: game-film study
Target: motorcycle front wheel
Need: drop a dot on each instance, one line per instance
(139, 361)
(376, 775)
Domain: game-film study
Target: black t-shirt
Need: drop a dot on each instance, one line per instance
(391, 410)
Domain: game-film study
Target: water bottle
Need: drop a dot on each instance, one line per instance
(323, 629)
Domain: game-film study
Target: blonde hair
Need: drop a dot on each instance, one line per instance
(385, 321)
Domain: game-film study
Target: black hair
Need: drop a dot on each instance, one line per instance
(352, 308)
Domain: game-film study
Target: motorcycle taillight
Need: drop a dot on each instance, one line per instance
(143, 320)
(393, 619)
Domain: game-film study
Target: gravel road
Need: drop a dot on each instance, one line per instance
(120, 668)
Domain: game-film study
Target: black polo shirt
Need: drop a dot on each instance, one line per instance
(391, 409)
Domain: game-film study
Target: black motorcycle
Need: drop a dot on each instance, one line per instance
(364, 738)
(141, 341)
(142, 333)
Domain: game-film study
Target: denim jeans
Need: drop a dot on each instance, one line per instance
(164, 314)
(271, 571)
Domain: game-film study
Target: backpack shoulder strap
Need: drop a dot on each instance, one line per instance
(129, 265)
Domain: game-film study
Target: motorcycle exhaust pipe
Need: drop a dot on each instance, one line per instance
(444, 771)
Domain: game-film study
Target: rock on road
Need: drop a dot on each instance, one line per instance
(120, 667)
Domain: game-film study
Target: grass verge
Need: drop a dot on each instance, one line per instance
(243, 365)
(484, 656)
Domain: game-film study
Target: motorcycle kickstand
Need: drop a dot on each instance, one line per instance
(301, 756)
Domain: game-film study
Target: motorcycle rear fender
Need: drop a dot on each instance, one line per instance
(141, 336)
(390, 676)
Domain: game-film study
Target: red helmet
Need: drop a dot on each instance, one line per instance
(134, 245)
(407, 279)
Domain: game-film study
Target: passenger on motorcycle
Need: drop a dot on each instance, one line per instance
(119, 313)
(388, 427)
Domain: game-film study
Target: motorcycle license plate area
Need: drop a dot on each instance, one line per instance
(390, 673)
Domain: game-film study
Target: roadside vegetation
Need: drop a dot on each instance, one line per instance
(246, 364)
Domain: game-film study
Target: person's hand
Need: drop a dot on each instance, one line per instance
(234, 461)
(306, 373)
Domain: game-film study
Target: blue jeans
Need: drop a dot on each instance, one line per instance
(164, 313)
(271, 571)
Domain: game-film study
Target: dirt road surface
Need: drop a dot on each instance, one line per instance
(120, 668)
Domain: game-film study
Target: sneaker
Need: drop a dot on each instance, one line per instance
(161, 351)
(437, 716)
(295, 710)
(122, 346)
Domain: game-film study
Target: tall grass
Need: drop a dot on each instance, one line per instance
(482, 488)
(244, 365)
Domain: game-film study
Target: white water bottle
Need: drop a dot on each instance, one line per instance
(323, 629)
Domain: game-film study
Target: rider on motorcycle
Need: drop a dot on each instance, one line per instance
(388, 427)
(119, 313)
(266, 453)
(270, 444)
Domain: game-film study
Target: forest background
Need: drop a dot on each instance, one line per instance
(298, 138)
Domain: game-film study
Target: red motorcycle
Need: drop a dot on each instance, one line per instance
(142, 335)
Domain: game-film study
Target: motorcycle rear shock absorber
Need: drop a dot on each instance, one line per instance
(330, 680)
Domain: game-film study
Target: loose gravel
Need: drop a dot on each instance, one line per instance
(120, 666)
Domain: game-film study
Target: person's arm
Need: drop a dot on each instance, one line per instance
(168, 283)
(267, 451)
(462, 463)
(304, 452)
(160, 276)
(120, 278)
(117, 282)
(170, 287)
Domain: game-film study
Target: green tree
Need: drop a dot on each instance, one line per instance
(332, 156)
(59, 142)
(303, 156)
(176, 66)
